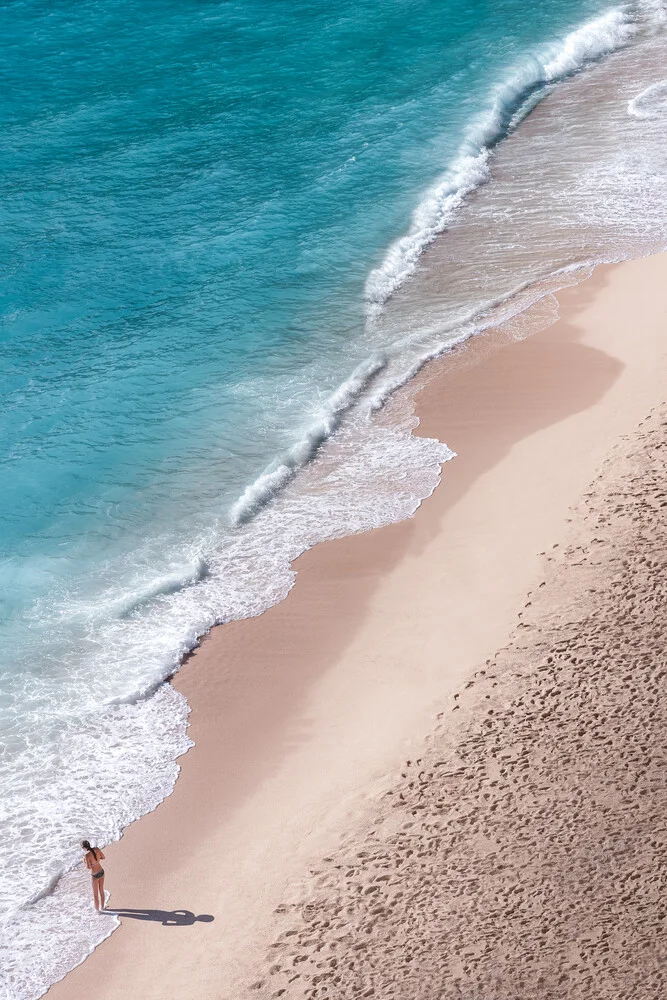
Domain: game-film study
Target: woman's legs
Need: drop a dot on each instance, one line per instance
(98, 893)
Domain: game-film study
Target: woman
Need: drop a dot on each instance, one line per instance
(93, 857)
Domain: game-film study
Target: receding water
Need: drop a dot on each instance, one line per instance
(219, 252)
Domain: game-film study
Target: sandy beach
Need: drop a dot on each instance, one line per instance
(435, 770)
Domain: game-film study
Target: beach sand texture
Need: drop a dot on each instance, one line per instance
(523, 854)
(304, 717)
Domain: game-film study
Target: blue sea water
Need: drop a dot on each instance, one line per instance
(206, 209)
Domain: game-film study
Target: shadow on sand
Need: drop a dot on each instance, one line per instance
(168, 918)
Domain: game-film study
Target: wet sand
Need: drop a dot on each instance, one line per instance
(304, 717)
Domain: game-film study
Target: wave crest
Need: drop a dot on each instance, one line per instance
(183, 576)
(510, 103)
(280, 472)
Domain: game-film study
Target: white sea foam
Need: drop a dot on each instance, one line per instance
(651, 103)
(509, 104)
(589, 42)
(45, 933)
(655, 11)
(117, 740)
(371, 474)
(325, 423)
(177, 579)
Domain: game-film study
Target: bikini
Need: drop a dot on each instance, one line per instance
(100, 873)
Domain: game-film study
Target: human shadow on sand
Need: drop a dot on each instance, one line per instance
(168, 918)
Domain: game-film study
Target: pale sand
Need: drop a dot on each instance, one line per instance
(302, 717)
(522, 855)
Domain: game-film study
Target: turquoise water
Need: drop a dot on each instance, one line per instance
(198, 221)
(193, 196)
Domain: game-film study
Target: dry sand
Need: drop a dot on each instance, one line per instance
(303, 717)
(522, 855)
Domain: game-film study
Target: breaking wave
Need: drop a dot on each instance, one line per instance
(510, 104)
(163, 586)
(279, 473)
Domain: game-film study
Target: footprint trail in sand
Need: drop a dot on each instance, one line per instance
(522, 856)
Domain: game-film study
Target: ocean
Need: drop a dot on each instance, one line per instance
(230, 231)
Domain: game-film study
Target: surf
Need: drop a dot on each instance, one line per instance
(510, 102)
(197, 388)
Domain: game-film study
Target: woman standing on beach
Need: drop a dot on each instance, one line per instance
(93, 857)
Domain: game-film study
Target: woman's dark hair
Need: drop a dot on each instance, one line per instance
(86, 845)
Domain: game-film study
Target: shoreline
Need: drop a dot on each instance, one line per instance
(318, 684)
(522, 853)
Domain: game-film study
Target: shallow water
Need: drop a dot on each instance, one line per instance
(219, 237)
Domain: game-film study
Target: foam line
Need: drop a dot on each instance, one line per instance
(475, 322)
(186, 576)
(275, 477)
(510, 103)
(47, 890)
(651, 102)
